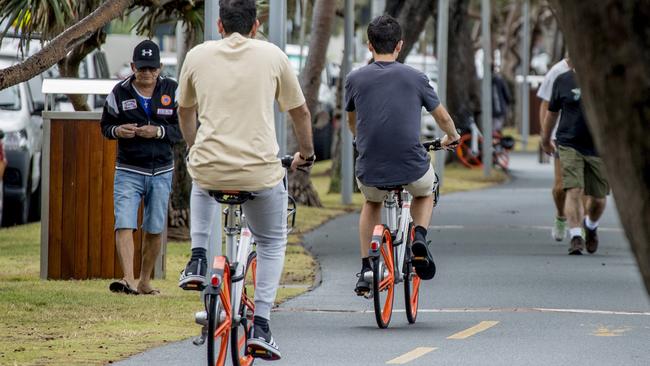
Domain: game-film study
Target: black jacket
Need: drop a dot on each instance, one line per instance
(146, 156)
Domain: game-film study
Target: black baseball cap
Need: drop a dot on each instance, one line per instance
(146, 54)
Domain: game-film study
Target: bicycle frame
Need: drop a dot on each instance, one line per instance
(397, 220)
(237, 250)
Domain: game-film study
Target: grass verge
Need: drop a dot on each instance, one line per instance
(82, 323)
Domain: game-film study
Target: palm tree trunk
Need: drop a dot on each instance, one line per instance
(614, 88)
(462, 87)
(324, 12)
(412, 16)
(63, 44)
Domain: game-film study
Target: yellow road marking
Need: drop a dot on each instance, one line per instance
(603, 331)
(411, 355)
(473, 330)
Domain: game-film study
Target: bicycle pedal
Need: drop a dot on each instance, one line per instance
(193, 286)
(261, 353)
(200, 340)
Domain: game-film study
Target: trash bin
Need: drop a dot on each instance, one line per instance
(77, 235)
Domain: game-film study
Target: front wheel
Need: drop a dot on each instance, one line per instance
(383, 280)
(246, 311)
(219, 321)
(411, 282)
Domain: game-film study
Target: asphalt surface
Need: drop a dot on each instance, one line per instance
(505, 293)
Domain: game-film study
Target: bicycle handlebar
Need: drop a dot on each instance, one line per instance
(286, 161)
(435, 145)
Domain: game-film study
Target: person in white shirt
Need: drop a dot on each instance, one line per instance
(559, 229)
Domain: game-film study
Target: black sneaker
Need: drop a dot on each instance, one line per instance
(261, 345)
(591, 239)
(363, 286)
(422, 260)
(193, 276)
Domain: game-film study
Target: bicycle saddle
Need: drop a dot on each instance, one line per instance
(390, 188)
(231, 197)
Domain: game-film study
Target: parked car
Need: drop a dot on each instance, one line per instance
(3, 165)
(21, 107)
(20, 119)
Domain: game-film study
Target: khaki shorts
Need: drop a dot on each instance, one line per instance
(422, 187)
(585, 172)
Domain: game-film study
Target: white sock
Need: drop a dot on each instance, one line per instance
(575, 231)
(591, 225)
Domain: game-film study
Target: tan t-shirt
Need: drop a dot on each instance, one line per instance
(235, 82)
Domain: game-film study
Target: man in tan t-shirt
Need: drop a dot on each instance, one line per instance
(232, 85)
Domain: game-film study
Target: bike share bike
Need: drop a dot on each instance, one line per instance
(390, 253)
(228, 295)
(469, 150)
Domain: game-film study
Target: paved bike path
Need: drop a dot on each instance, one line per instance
(505, 293)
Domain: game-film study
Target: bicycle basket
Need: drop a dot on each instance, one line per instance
(507, 142)
(291, 214)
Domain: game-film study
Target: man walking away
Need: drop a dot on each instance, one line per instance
(582, 170)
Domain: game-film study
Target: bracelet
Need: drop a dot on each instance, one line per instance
(310, 158)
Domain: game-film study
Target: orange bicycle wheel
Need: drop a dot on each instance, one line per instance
(464, 152)
(246, 312)
(411, 281)
(383, 279)
(219, 316)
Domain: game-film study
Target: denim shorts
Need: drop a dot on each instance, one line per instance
(128, 191)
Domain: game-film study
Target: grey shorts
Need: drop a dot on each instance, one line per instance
(422, 187)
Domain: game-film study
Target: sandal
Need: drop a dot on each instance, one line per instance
(122, 286)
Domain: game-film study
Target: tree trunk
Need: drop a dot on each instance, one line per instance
(178, 213)
(412, 16)
(324, 12)
(609, 45)
(60, 46)
(69, 66)
(463, 100)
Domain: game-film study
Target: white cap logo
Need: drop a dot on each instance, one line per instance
(148, 52)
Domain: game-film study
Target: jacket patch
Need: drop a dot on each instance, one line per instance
(166, 100)
(165, 111)
(129, 104)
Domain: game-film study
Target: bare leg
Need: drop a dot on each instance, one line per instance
(559, 195)
(421, 210)
(124, 246)
(150, 251)
(574, 208)
(370, 217)
(595, 207)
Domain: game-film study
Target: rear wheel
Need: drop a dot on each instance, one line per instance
(219, 321)
(465, 154)
(246, 310)
(411, 282)
(383, 284)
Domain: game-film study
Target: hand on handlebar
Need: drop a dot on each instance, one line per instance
(300, 163)
(450, 143)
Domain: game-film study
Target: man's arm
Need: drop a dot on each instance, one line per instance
(443, 119)
(543, 109)
(302, 127)
(547, 129)
(187, 123)
(352, 122)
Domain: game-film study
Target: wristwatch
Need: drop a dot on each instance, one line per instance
(159, 132)
(310, 159)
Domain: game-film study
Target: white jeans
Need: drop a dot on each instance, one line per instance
(267, 219)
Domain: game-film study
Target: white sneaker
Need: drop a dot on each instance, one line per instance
(558, 231)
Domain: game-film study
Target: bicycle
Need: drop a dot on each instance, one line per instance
(229, 306)
(469, 150)
(390, 253)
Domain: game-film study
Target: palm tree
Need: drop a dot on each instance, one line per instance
(67, 45)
